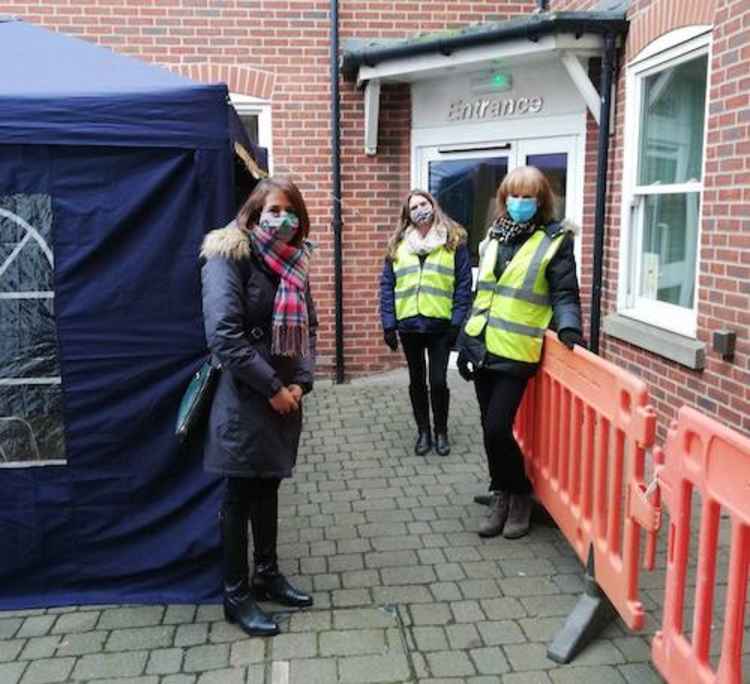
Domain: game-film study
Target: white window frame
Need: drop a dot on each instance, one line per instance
(667, 51)
(245, 105)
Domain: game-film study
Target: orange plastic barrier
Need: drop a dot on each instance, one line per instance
(701, 455)
(584, 426)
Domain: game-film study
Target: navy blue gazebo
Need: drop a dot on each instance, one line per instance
(111, 171)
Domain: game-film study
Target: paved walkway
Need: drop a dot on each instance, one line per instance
(404, 589)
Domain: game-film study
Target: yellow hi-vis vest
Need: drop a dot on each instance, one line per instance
(516, 309)
(425, 289)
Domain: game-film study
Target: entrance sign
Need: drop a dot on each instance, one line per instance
(484, 108)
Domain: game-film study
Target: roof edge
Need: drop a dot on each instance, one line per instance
(531, 26)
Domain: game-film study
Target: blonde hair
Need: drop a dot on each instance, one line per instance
(527, 180)
(456, 234)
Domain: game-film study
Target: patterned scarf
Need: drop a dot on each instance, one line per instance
(290, 325)
(505, 229)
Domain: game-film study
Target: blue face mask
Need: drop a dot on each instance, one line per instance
(521, 209)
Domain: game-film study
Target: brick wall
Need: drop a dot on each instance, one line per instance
(722, 389)
(279, 49)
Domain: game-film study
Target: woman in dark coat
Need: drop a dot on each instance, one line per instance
(425, 293)
(527, 278)
(260, 326)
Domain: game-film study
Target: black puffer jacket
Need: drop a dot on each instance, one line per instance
(564, 296)
(246, 437)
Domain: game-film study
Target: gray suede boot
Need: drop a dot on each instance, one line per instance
(519, 516)
(494, 520)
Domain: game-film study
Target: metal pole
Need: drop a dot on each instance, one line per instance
(336, 190)
(602, 163)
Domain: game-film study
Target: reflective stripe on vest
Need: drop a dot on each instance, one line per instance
(515, 310)
(425, 290)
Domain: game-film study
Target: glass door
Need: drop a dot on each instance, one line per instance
(555, 158)
(464, 184)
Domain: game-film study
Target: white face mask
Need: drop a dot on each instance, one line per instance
(421, 215)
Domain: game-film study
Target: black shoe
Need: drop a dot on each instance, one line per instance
(424, 443)
(442, 445)
(273, 586)
(484, 499)
(241, 609)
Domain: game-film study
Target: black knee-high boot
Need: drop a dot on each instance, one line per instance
(239, 604)
(440, 399)
(268, 583)
(420, 404)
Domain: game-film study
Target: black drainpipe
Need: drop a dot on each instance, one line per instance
(336, 182)
(602, 163)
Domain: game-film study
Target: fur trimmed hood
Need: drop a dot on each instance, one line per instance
(230, 242)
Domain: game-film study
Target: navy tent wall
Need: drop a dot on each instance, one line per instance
(125, 181)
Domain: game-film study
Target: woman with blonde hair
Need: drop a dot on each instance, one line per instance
(425, 293)
(527, 279)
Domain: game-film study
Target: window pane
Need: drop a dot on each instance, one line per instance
(668, 252)
(250, 122)
(465, 189)
(672, 121)
(555, 168)
(31, 404)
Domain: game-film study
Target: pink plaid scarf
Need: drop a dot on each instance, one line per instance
(290, 325)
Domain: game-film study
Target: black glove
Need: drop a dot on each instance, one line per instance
(570, 337)
(463, 368)
(452, 335)
(391, 339)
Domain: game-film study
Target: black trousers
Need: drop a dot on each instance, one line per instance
(257, 500)
(499, 396)
(437, 347)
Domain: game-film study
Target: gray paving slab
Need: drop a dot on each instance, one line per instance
(405, 590)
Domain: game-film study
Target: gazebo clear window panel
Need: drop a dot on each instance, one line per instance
(31, 413)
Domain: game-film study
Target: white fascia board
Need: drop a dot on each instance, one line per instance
(583, 83)
(372, 114)
(411, 68)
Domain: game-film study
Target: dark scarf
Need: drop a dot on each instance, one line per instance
(505, 229)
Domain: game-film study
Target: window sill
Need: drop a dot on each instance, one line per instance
(683, 350)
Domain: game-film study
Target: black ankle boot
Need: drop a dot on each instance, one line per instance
(442, 445)
(424, 442)
(269, 584)
(241, 609)
(239, 605)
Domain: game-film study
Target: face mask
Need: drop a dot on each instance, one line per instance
(282, 226)
(421, 215)
(521, 209)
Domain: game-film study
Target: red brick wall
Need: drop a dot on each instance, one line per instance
(722, 389)
(279, 48)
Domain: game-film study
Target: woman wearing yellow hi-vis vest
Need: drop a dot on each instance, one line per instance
(425, 294)
(527, 279)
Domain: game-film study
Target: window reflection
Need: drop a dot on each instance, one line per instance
(555, 168)
(465, 189)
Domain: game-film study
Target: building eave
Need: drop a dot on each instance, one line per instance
(532, 27)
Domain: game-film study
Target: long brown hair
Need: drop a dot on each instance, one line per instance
(456, 234)
(250, 212)
(527, 180)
